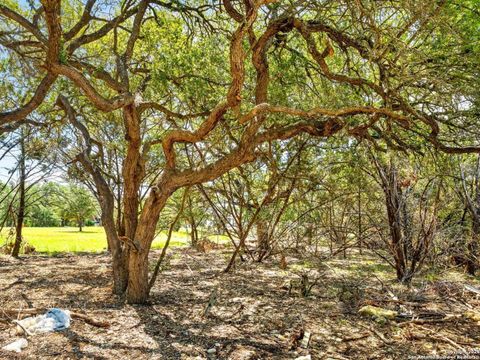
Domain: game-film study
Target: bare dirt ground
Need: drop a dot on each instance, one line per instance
(254, 317)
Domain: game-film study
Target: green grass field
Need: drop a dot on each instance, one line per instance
(91, 239)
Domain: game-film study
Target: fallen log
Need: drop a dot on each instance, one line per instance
(17, 313)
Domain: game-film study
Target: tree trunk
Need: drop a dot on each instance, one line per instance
(21, 203)
(393, 210)
(133, 261)
(394, 203)
(473, 261)
(473, 206)
(359, 229)
(138, 285)
(120, 275)
(194, 232)
(472, 257)
(119, 258)
(138, 289)
(263, 243)
(80, 226)
(133, 171)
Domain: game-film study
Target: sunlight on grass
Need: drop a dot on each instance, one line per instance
(91, 239)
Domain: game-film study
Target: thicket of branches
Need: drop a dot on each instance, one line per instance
(300, 123)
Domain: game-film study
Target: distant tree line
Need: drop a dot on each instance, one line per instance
(49, 204)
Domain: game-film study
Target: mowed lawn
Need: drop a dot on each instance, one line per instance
(91, 239)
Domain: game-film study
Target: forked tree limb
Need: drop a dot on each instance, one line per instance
(52, 17)
(84, 20)
(40, 93)
(318, 112)
(23, 22)
(100, 102)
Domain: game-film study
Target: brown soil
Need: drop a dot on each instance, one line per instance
(254, 317)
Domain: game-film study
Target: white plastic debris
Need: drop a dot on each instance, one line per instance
(306, 357)
(306, 339)
(16, 346)
(53, 320)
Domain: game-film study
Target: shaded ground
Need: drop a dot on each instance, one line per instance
(254, 317)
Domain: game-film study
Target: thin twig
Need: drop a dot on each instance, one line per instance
(164, 250)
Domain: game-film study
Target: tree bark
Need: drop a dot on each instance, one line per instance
(263, 241)
(138, 289)
(472, 247)
(475, 209)
(138, 285)
(193, 232)
(21, 202)
(359, 228)
(473, 206)
(119, 265)
(393, 195)
(132, 170)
